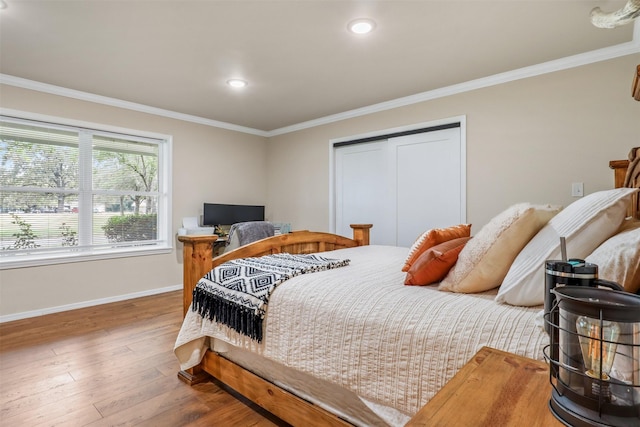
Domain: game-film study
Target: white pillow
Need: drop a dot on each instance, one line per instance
(585, 224)
(618, 258)
(485, 260)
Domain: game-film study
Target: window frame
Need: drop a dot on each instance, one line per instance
(163, 243)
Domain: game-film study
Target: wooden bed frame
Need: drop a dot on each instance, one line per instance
(198, 260)
(627, 174)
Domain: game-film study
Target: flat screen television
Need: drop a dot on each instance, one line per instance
(219, 214)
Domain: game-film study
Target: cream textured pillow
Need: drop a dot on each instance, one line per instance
(618, 258)
(485, 260)
(585, 224)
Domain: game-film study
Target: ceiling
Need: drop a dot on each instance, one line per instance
(298, 57)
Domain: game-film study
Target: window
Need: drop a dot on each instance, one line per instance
(69, 193)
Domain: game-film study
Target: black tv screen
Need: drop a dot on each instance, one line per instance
(219, 214)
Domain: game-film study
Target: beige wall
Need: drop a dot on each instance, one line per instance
(205, 168)
(527, 140)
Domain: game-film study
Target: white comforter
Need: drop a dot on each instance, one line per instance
(360, 327)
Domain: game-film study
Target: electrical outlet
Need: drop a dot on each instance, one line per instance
(577, 189)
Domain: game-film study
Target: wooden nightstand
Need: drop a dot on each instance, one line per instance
(494, 388)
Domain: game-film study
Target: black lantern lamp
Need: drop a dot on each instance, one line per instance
(595, 356)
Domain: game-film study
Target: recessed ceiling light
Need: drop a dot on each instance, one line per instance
(361, 26)
(3, 4)
(237, 83)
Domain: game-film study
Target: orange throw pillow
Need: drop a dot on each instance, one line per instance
(433, 237)
(434, 263)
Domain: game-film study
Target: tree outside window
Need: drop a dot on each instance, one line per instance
(75, 189)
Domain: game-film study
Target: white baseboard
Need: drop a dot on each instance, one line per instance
(83, 304)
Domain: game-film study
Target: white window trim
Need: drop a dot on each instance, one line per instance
(164, 214)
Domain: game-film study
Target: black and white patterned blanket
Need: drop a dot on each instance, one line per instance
(237, 292)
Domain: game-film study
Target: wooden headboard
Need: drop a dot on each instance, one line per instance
(627, 174)
(635, 86)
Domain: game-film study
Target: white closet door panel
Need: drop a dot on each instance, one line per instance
(362, 190)
(428, 182)
(403, 186)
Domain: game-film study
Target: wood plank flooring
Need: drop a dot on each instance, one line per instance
(110, 365)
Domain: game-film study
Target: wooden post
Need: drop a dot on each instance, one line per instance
(197, 258)
(620, 171)
(361, 233)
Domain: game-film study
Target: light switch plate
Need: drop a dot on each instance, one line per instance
(577, 189)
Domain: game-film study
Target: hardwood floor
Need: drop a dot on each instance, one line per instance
(109, 365)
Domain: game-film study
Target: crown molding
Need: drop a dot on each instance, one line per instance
(604, 54)
(599, 55)
(114, 102)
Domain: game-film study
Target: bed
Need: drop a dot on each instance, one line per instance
(355, 346)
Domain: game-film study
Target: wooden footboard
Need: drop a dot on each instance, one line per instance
(198, 260)
(198, 251)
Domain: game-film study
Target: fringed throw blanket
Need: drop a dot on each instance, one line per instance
(237, 292)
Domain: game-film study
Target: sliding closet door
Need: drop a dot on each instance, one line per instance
(428, 182)
(363, 191)
(403, 185)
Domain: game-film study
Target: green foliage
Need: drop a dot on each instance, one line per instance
(37, 164)
(69, 236)
(131, 228)
(25, 238)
